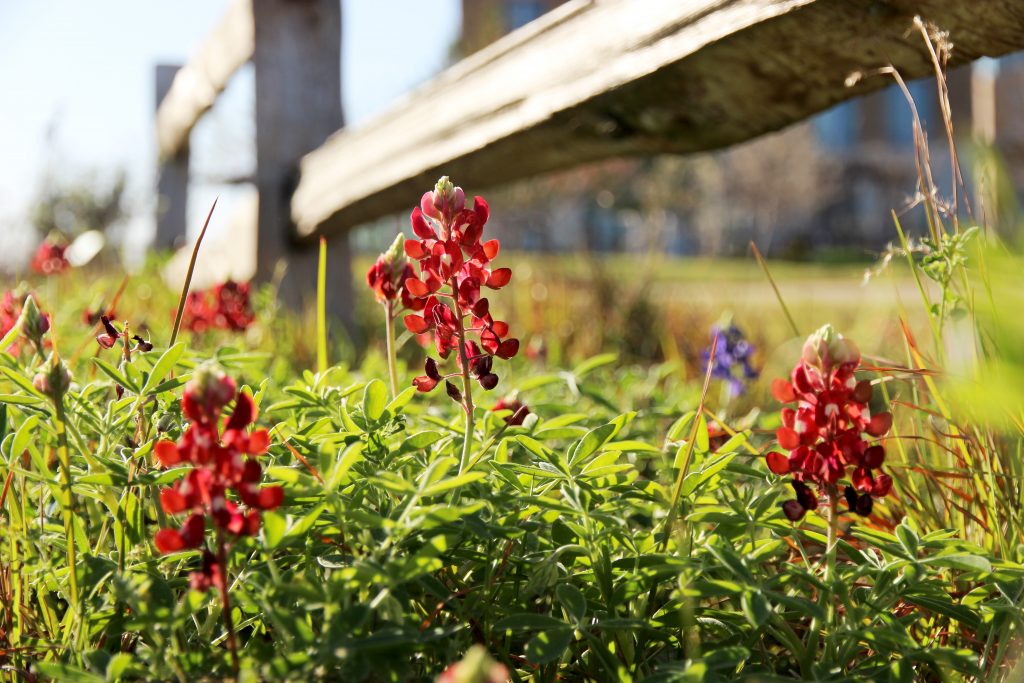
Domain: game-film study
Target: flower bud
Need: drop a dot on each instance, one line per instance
(35, 324)
(444, 202)
(827, 349)
(53, 380)
(209, 390)
(385, 277)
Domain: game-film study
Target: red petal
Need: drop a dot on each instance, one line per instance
(793, 510)
(862, 391)
(777, 462)
(880, 424)
(783, 391)
(167, 453)
(882, 487)
(788, 439)
(500, 328)
(172, 502)
(415, 324)
(244, 413)
(480, 208)
(416, 287)
(259, 442)
(862, 480)
(508, 348)
(420, 226)
(168, 541)
(491, 249)
(424, 383)
(499, 278)
(414, 249)
(271, 497)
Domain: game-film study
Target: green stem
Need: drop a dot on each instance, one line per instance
(389, 326)
(467, 386)
(225, 599)
(64, 457)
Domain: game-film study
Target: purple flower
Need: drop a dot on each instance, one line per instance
(733, 358)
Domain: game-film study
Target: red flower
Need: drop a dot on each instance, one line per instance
(453, 265)
(221, 463)
(49, 259)
(824, 432)
(226, 306)
(518, 408)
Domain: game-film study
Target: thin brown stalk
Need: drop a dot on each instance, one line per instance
(188, 274)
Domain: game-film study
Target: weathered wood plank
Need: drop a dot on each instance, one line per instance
(171, 178)
(298, 105)
(197, 85)
(602, 78)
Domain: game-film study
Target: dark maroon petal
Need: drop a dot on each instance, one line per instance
(862, 392)
(864, 504)
(430, 367)
(109, 327)
(873, 457)
(851, 497)
(793, 510)
(453, 391)
(508, 349)
(488, 382)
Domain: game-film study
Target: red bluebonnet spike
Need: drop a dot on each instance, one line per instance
(829, 429)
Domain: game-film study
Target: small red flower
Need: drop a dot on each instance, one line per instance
(226, 306)
(824, 432)
(49, 259)
(221, 462)
(518, 408)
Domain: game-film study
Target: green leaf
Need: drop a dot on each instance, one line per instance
(20, 399)
(23, 436)
(756, 608)
(163, 367)
(695, 480)
(591, 364)
(548, 646)
(375, 399)
(453, 483)
(274, 526)
(572, 600)
(593, 440)
(703, 439)
(400, 401)
(528, 622)
(960, 561)
(65, 672)
(116, 375)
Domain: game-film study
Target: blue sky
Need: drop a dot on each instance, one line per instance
(77, 84)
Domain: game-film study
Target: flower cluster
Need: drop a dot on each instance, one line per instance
(110, 335)
(733, 358)
(825, 432)
(226, 306)
(454, 265)
(49, 259)
(220, 463)
(387, 276)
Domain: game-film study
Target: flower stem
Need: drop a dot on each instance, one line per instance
(64, 457)
(389, 327)
(225, 600)
(467, 387)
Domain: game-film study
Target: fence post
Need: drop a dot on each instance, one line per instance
(297, 60)
(171, 179)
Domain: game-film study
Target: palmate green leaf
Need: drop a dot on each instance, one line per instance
(589, 444)
(399, 402)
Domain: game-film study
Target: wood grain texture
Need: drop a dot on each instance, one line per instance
(603, 78)
(196, 86)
